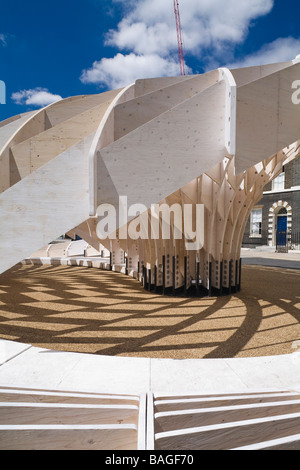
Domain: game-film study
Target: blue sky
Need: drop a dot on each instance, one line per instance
(52, 50)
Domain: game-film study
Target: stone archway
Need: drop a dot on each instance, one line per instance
(276, 211)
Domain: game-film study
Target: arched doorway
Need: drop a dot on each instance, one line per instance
(281, 229)
(280, 224)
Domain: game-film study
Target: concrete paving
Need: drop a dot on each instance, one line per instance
(25, 366)
(268, 257)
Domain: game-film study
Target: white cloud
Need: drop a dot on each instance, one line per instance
(141, 38)
(123, 70)
(280, 50)
(149, 25)
(37, 97)
(147, 41)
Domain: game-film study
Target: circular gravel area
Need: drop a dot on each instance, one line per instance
(88, 310)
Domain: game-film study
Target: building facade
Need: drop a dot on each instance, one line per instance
(275, 220)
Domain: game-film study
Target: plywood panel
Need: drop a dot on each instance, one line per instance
(226, 436)
(224, 414)
(43, 419)
(7, 130)
(249, 74)
(66, 109)
(64, 438)
(148, 164)
(38, 396)
(6, 133)
(32, 125)
(37, 151)
(284, 443)
(256, 122)
(208, 402)
(134, 113)
(148, 85)
(9, 120)
(267, 119)
(77, 248)
(45, 199)
(58, 249)
(21, 414)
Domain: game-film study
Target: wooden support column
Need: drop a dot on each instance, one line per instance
(145, 276)
(229, 276)
(209, 279)
(164, 273)
(173, 275)
(240, 274)
(185, 274)
(221, 277)
(197, 278)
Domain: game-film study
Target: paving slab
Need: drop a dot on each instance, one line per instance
(11, 349)
(44, 368)
(193, 376)
(54, 370)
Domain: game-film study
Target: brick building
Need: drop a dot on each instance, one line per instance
(275, 220)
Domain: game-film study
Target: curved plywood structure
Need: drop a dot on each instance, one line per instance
(209, 142)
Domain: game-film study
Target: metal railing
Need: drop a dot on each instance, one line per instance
(295, 241)
(287, 241)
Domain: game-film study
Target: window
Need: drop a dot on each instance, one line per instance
(278, 183)
(255, 223)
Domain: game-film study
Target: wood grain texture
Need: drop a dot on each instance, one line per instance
(67, 414)
(63, 438)
(181, 420)
(222, 436)
(53, 420)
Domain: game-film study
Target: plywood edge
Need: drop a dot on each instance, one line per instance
(95, 406)
(163, 399)
(235, 424)
(68, 437)
(66, 427)
(218, 409)
(144, 86)
(23, 124)
(57, 393)
(11, 119)
(271, 444)
(150, 422)
(244, 75)
(95, 145)
(142, 422)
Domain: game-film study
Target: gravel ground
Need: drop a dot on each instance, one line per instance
(100, 312)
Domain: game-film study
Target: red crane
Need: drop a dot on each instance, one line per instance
(179, 36)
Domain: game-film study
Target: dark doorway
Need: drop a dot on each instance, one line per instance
(281, 234)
